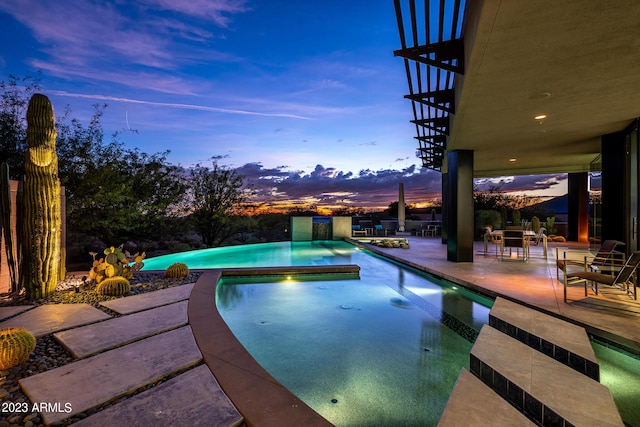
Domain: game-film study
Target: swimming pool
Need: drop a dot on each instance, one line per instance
(620, 372)
(382, 350)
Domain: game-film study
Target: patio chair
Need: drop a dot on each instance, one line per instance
(624, 279)
(607, 258)
(379, 229)
(539, 236)
(357, 231)
(515, 239)
(433, 230)
(494, 239)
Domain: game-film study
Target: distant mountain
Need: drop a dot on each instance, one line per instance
(557, 205)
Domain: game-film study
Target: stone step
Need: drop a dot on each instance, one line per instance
(565, 342)
(193, 398)
(49, 318)
(98, 337)
(10, 311)
(473, 404)
(91, 382)
(543, 389)
(133, 303)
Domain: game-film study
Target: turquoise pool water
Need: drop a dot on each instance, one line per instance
(356, 351)
(411, 313)
(259, 255)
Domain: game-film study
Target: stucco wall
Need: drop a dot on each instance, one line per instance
(301, 228)
(341, 227)
(5, 283)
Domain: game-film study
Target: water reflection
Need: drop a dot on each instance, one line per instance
(228, 296)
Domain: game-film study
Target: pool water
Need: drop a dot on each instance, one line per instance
(382, 350)
(356, 351)
(620, 372)
(259, 255)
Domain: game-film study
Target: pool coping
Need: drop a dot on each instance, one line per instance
(257, 395)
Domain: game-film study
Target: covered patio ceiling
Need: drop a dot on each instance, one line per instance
(575, 61)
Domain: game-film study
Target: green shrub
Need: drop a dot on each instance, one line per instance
(550, 221)
(115, 263)
(515, 216)
(535, 224)
(488, 217)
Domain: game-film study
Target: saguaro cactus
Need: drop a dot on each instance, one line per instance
(41, 202)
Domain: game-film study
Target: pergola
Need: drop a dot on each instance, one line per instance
(480, 72)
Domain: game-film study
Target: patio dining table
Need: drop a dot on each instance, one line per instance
(528, 234)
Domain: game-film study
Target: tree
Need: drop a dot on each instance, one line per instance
(216, 192)
(115, 193)
(112, 193)
(495, 198)
(14, 98)
(392, 210)
(348, 211)
(492, 198)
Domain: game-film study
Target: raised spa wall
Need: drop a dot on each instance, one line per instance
(306, 228)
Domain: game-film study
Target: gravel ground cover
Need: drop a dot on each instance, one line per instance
(49, 354)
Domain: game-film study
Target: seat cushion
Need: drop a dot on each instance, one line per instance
(593, 276)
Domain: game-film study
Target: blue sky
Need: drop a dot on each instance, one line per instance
(305, 98)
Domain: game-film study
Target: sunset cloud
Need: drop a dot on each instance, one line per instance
(329, 186)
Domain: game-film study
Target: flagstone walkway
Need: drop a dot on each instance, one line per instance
(118, 356)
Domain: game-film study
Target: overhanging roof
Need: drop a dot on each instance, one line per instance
(576, 61)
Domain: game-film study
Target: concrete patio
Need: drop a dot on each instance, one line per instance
(612, 315)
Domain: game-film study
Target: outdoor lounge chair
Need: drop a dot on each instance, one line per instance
(356, 230)
(624, 279)
(607, 258)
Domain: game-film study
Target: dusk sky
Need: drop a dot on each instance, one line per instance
(305, 98)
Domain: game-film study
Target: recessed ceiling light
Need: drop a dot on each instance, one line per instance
(540, 117)
(513, 159)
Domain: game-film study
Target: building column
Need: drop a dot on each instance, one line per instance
(578, 207)
(460, 206)
(444, 206)
(620, 196)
